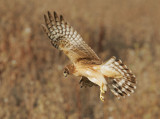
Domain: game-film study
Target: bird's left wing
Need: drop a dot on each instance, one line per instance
(65, 38)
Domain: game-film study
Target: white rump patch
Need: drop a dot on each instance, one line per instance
(109, 72)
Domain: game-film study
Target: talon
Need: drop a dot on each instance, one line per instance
(102, 92)
(102, 97)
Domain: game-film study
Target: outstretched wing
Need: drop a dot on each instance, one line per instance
(65, 38)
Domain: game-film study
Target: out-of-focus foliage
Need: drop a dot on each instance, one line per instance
(32, 85)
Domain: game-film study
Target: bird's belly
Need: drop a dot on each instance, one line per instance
(85, 72)
(94, 76)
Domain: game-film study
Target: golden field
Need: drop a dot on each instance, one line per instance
(32, 85)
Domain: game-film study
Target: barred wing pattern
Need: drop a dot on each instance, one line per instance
(65, 38)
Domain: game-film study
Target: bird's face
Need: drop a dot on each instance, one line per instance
(66, 72)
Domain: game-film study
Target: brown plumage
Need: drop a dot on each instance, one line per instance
(86, 63)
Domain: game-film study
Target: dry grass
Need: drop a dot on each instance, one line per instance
(32, 84)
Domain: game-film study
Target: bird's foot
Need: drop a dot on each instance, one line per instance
(101, 93)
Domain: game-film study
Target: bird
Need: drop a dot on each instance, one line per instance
(112, 74)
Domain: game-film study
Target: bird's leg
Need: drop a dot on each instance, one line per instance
(102, 92)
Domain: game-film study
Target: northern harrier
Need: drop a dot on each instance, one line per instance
(85, 63)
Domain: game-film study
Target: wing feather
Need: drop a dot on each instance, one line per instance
(65, 38)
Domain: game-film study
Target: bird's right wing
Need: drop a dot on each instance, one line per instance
(64, 38)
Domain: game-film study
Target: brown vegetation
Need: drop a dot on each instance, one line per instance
(32, 85)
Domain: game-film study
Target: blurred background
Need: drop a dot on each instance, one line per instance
(32, 84)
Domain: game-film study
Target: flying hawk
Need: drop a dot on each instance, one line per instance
(85, 63)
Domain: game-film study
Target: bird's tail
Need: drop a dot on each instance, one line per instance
(120, 80)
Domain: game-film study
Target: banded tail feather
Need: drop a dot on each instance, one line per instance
(121, 81)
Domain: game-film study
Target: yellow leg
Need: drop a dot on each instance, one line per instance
(102, 92)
